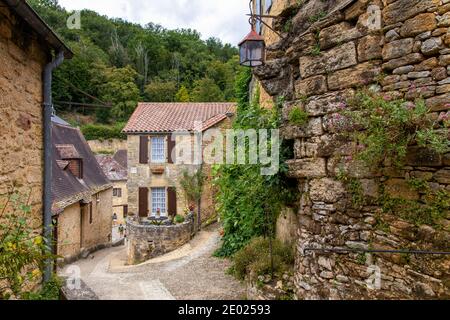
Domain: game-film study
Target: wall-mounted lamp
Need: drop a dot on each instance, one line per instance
(252, 50)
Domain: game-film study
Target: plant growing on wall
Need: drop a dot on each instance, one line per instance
(22, 251)
(248, 201)
(192, 185)
(298, 116)
(382, 129)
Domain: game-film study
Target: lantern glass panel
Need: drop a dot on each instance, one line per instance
(252, 53)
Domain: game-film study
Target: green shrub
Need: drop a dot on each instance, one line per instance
(382, 129)
(179, 219)
(255, 258)
(298, 116)
(104, 132)
(49, 291)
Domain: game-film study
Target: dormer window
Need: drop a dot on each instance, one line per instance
(71, 159)
(76, 168)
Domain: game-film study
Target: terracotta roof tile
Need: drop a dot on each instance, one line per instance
(170, 117)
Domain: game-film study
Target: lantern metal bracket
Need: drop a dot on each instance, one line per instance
(260, 17)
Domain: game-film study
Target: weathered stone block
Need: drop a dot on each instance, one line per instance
(361, 74)
(428, 64)
(423, 157)
(431, 46)
(442, 176)
(311, 86)
(336, 34)
(327, 103)
(335, 59)
(411, 58)
(369, 48)
(307, 168)
(399, 188)
(439, 103)
(439, 74)
(404, 9)
(444, 20)
(418, 24)
(444, 60)
(326, 190)
(398, 48)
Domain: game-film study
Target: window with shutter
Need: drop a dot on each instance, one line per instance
(172, 201)
(158, 149)
(159, 201)
(143, 202)
(143, 149)
(171, 150)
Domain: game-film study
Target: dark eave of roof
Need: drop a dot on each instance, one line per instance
(27, 13)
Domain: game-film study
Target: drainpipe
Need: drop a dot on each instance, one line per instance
(48, 111)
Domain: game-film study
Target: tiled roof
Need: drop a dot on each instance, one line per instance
(111, 168)
(170, 117)
(66, 188)
(122, 158)
(67, 151)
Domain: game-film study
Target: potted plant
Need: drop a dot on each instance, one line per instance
(158, 213)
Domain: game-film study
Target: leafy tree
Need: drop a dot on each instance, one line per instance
(160, 91)
(182, 95)
(164, 61)
(120, 89)
(206, 90)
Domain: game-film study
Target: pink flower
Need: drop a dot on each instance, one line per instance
(342, 105)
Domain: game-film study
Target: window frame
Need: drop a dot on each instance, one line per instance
(163, 213)
(117, 192)
(164, 143)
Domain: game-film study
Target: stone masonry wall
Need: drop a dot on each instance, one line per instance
(148, 241)
(330, 49)
(22, 59)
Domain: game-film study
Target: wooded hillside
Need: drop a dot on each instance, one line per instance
(119, 62)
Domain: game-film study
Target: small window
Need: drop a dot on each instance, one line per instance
(90, 214)
(158, 149)
(159, 201)
(117, 192)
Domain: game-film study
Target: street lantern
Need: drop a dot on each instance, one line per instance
(252, 50)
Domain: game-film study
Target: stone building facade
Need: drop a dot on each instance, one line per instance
(23, 56)
(155, 120)
(81, 196)
(328, 50)
(116, 171)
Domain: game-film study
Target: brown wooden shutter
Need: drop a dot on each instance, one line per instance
(143, 202)
(172, 201)
(170, 149)
(143, 149)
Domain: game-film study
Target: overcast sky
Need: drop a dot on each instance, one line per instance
(224, 19)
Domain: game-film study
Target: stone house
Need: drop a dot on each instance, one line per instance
(115, 169)
(154, 175)
(27, 57)
(81, 195)
(328, 50)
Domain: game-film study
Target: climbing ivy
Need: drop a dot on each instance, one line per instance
(248, 201)
(382, 129)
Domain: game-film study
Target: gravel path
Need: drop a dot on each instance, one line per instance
(188, 273)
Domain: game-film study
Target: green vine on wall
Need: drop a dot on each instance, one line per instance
(383, 129)
(248, 201)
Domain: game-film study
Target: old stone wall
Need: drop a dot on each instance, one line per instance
(22, 59)
(331, 48)
(77, 233)
(111, 146)
(148, 241)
